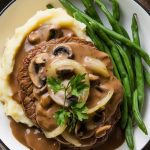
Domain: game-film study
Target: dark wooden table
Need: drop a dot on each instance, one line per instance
(146, 4)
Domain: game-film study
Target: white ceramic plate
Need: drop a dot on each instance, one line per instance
(21, 10)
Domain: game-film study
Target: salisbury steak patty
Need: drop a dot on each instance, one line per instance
(38, 104)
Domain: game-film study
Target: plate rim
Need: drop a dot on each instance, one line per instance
(10, 2)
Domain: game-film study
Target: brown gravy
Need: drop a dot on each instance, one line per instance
(34, 139)
(24, 49)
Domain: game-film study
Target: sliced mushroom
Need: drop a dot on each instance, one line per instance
(99, 117)
(102, 102)
(71, 139)
(95, 120)
(63, 50)
(55, 32)
(39, 92)
(93, 77)
(101, 131)
(78, 69)
(65, 71)
(58, 97)
(88, 143)
(45, 33)
(82, 132)
(37, 69)
(34, 37)
(45, 101)
(91, 125)
(96, 65)
(41, 58)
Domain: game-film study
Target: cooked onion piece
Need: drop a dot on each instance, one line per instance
(101, 102)
(78, 69)
(96, 65)
(62, 140)
(59, 130)
(102, 130)
(71, 139)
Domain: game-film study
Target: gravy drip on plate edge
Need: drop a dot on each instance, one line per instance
(34, 139)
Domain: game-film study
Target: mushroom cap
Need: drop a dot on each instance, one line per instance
(37, 70)
(78, 69)
(63, 50)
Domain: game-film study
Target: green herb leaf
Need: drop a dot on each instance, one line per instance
(80, 110)
(77, 84)
(49, 6)
(61, 116)
(72, 121)
(77, 111)
(55, 84)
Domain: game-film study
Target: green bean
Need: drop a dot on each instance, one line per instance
(127, 65)
(124, 40)
(124, 106)
(129, 134)
(113, 62)
(91, 33)
(147, 76)
(127, 91)
(123, 74)
(117, 27)
(69, 7)
(139, 80)
(117, 58)
(118, 61)
(90, 10)
(124, 112)
(125, 33)
(97, 42)
(136, 113)
(134, 28)
(138, 64)
(72, 9)
(116, 9)
(114, 23)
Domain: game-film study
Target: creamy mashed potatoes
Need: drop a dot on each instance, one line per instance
(50, 16)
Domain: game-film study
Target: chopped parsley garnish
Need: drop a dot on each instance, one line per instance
(77, 111)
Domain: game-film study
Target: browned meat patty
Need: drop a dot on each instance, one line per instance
(80, 48)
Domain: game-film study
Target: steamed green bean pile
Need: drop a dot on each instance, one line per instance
(126, 54)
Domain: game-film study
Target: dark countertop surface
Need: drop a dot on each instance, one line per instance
(146, 4)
